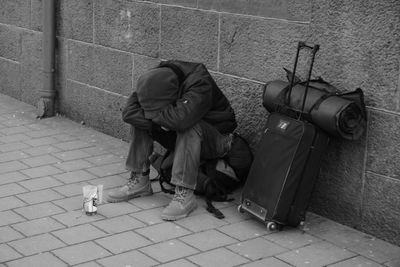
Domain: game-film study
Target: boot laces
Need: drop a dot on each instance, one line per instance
(180, 194)
(133, 180)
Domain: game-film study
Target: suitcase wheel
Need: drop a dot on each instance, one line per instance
(273, 226)
(240, 209)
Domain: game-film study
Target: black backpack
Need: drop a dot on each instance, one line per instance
(214, 180)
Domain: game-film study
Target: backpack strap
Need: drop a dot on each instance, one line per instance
(213, 210)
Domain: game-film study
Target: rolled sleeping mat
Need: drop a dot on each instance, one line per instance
(338, 114)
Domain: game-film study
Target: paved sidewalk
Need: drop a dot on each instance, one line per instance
(45, 163)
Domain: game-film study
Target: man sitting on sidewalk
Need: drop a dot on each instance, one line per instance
(179, 105)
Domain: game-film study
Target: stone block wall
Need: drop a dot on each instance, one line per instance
(103, 46)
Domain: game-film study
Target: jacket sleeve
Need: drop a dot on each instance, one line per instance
(189, 109)
(134, 115)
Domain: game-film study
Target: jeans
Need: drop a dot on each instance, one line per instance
(201, 142)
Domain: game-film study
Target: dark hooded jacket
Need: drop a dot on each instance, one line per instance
(198, 99)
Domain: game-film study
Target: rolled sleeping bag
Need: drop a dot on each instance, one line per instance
(338, 114)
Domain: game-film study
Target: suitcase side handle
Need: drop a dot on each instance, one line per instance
(302, 45)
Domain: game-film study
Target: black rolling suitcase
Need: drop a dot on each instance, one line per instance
(286, 164)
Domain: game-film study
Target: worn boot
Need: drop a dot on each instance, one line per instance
(138, 185)
(183, 202)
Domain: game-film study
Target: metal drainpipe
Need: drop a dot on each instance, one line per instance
(48, 92)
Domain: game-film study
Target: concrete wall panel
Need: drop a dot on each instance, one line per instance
(338, 190)
(75, 19)
(61, 65)
(381, 213)
(245, 97)
(104, 68)
(95, 107)
(258, 48)
(80, 62)
(10, 45)
(31, 67)
(384, 144)
(130, 26)
(10, 78)
(190, 35)
(15, 12)
(298, 10)
(360, 47)
(185, 3)
(36, 15)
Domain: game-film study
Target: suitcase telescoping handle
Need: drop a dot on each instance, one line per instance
(314, 49)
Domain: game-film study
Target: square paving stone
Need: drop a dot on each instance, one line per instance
(70, 203)
(81, 253)
(163, 231)
(150, 217)
(201, 222)
(12, 166)
(38, 226)
(42, 141)
(9, 217)
(338, 234)
(74, 176)
(356, 261)
(292, 238)
(7, 253)
(39, 210)
(104, 159)
(73, 165)
(89, 264)
(245, 230)
(79, 234)
(233, 216)
(41, 171)
(72, 145)
(273, 262)
(123, 242)
(169, 250)
(36, 244)
(151, 202)
(13, 155)
(72, 218)
(40, 196)
(41, 259)
(8, 203)
(118, 224)
(393, 263)
(40, 160)
(71, 155)
(11, 189)
(220, 257)
(71, 190)
(108, 170)
(12, 177)
(318, 254)
(109, 181)
(8, 234)
(13, 147)
(41, 150)
(208, 240)
(178, 263)
(110, 210)
(40, 183)
(131, 258)
(257, 248)
(376, 250)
